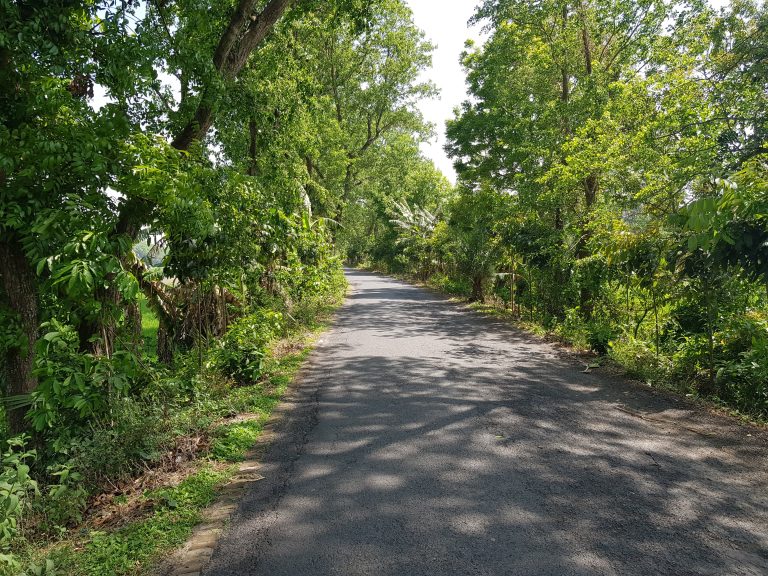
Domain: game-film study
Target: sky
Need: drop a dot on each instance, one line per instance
(445, 25)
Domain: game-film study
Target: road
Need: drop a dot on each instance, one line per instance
(425, 439)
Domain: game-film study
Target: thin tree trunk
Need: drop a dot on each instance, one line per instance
(164, 342)
(711, 314)
(477, 289)
(656, 321)
(512, 290)
(20, 287)
(586, 294)
(133, 324)
(252, 147)
(591, 185)
(347, 193)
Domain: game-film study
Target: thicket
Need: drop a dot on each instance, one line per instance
(612, 187)
(174, 180)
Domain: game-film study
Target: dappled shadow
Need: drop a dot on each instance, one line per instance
(429, 440)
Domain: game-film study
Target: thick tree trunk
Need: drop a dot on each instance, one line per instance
(245, 31)
(243, 34)
(196, 128)
(20, 286)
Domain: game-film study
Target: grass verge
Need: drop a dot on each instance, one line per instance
(149, 325)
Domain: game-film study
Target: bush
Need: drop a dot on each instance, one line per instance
(742, 381)
(240, 354)
(600, 334)
(638, 359)
(114, 448)
(74, 387)
(16, 489)
(65, 498)
(449, 285)
(572, 329)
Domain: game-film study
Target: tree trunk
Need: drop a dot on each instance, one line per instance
(20, 286)
(133, 326)
(98, 335)
(349, 176)
(244, 33)
(586, 294)
(478, 289)
(164, 342)
(246, 30)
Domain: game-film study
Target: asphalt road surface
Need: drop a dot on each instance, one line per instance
(425, 439)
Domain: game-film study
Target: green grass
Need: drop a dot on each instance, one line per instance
(232, 441)
(132, 550)
(149, 325)
(450, 286)
(128, 551)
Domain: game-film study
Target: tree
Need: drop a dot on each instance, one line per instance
(553, 88)
(369, 89)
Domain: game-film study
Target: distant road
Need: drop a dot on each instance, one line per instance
(425, 439)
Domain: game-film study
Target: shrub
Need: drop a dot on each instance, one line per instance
(116, 446)
(572, 329)
(638, 359)
(449, 285)
(65, 498)
(742, 381)
(74, 387)
(240, 354)
(16, 488)
(600, 334)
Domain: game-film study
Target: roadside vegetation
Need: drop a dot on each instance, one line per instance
(613, 188)
(152, 509)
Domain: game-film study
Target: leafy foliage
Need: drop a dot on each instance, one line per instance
(241, 353)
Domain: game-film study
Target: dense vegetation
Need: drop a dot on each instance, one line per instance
(174, 178)
(180, 181)
(613, 187)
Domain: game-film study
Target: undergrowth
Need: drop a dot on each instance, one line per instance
(190, 443)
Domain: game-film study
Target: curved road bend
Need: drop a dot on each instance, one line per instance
(425, 439)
